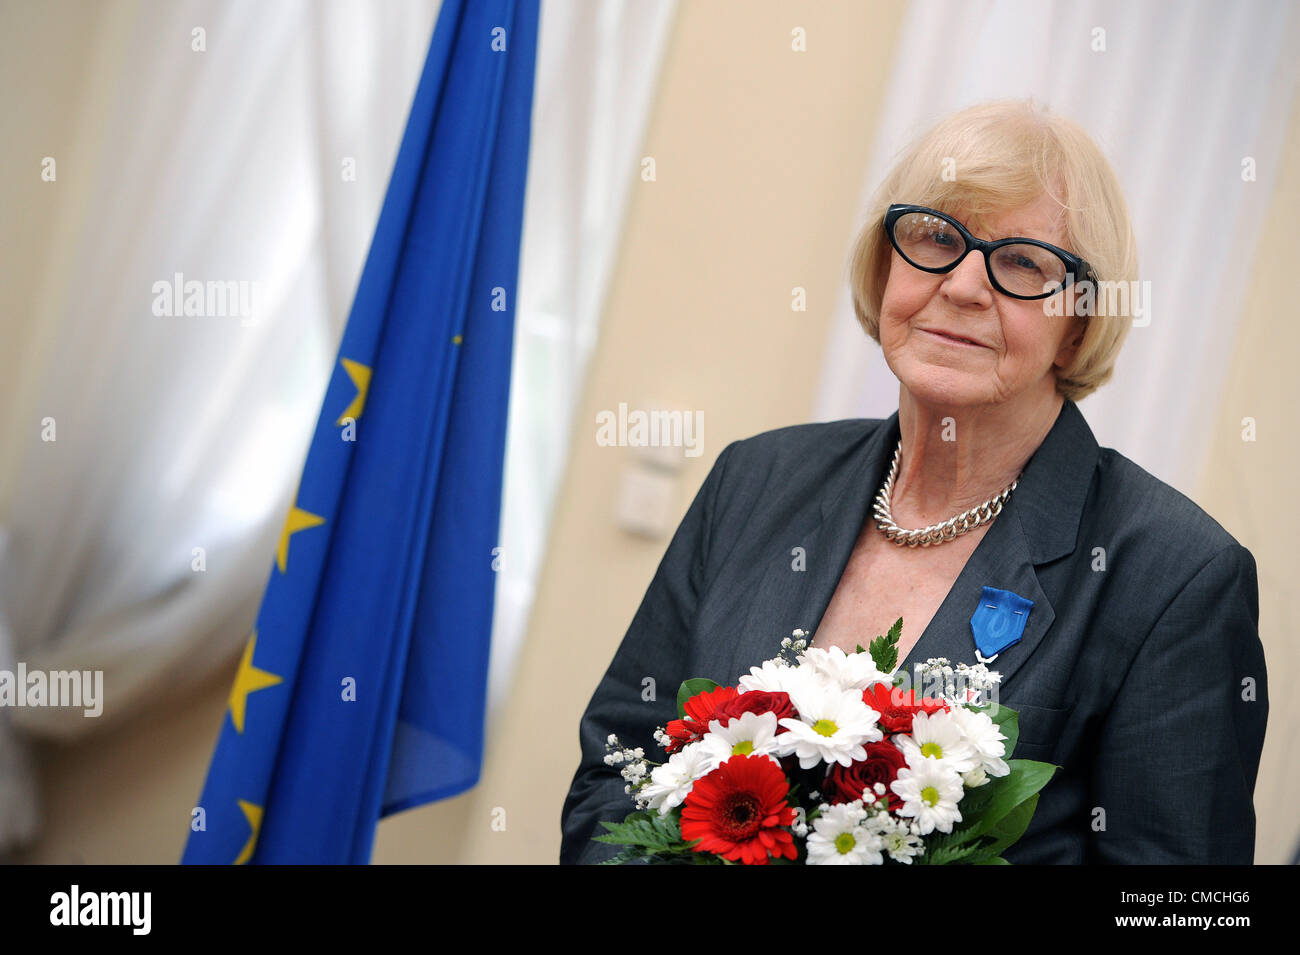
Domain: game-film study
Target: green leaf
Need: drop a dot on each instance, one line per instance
(996, 860)
(951, 847)
(1005, 793)
(1007, 830)
(690, 688)
(649, 837)
(994, 816)
(647, 829)
(624, 857)
(884, 650)
(974, 802)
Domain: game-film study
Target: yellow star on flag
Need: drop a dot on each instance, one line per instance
(254, 816)
(360, 375)
(298, 520)
(248, 679)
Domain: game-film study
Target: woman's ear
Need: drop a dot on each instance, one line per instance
(1071, 341)
(1076, 333)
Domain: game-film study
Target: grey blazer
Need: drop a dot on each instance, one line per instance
(1140, 671)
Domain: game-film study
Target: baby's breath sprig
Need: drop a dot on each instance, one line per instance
(635, 768)
(792, 646)
(965, 683)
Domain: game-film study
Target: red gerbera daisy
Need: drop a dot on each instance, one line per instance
(702, 706)
(738, 811)
(680, 733)
(700, 709)
(897, 706)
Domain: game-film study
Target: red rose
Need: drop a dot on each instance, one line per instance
(897, 706)
(758, 701)
(847, 783)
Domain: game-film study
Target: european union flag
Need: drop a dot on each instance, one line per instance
(361, 689)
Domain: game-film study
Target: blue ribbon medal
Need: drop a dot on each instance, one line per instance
(998, 622)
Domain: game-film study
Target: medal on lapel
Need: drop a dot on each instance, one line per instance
(998, 622)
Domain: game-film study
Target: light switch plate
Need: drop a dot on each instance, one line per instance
(646, 498)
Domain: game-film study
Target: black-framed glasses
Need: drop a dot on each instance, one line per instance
(1018, 267)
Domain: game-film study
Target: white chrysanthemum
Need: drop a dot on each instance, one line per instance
(772, 677)
(973, 779)
(938, 737)
(744, 735)
(849, 671)
(985, 736)
(671, 783)
(832, 725)
(930, 792)
(840, 836)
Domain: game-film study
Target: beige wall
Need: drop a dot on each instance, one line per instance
(759, 154)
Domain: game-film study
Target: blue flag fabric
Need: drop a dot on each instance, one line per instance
(361, 690)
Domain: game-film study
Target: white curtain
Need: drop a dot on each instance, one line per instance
(1180, 95)
(263, 159)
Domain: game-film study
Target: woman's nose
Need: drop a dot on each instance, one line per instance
(968, 282)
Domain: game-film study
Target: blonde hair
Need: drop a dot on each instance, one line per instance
(998, 156)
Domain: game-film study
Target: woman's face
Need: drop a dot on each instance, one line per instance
(1018, 345)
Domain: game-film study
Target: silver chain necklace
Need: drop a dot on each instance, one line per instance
(936, 533)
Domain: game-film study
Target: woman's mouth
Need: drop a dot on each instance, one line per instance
(952, 339)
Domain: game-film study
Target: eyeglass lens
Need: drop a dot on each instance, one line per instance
(1020, 268)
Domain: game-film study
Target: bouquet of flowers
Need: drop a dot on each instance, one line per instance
(826, 757)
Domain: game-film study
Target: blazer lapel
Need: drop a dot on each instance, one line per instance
(1039, 523)
(826, 530)
(1001, 560)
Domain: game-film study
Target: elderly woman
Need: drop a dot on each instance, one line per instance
(1135, 663)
